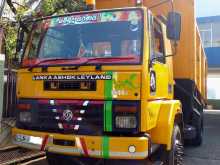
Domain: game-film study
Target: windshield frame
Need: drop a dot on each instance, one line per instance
(30, 36)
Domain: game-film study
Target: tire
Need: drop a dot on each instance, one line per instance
(197, 141)
(175, 155)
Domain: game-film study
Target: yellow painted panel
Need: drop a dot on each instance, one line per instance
(125, 86)
(153, 109)
(118, 147)
(162, 132)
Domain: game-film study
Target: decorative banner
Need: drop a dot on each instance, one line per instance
(133, 16)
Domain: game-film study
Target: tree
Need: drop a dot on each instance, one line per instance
(34, 9)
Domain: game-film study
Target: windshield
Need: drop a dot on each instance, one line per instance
(106, 35)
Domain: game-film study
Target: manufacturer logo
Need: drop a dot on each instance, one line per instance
(152, 82)
(67, 115)
(72, 77)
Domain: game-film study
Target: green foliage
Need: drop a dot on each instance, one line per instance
(10, 34)
(10, 40)
(51, 7)
(47, 7)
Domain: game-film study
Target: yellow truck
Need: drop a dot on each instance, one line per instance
(121, 83)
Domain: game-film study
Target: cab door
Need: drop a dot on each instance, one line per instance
(158, 67)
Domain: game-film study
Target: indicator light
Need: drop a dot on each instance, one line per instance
(139, 2)
(90, 4)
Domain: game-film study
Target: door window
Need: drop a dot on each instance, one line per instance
(156, 40)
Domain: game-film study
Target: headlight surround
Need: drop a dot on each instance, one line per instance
(127, 122)
(126, 115)
(25, 117)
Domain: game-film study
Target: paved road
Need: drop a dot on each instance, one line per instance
(209, 152)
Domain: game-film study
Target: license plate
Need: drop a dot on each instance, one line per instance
(29, 139)
(22, 138)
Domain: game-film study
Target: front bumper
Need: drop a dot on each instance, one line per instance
(107, 147)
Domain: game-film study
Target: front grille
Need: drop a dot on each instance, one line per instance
(70, 85)
(87, 117)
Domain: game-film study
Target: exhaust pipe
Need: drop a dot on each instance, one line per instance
(91, 4)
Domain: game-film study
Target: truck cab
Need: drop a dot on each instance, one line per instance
(98, 85)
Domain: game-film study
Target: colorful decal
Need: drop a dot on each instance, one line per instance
(126, 84)
(74, 19)
(109, 16)
(116, 93)
(134, 17)
(73, 77)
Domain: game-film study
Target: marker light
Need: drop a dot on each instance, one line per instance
(24, 106)
(125, 108)
(139, 2)
(132, 149)
(90, 4)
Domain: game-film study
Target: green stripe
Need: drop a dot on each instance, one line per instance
(108, 87)
(108, 104)
(105, 147)
(108, 116)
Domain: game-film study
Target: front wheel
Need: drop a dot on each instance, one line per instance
(175, 155)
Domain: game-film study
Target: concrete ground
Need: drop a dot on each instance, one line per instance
(208, 153)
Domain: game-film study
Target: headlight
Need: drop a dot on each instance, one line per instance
(128, 122)
(25, 117)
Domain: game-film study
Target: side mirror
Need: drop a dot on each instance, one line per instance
(173, 26)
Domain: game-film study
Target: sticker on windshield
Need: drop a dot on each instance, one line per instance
(133, 16)
(71, 20)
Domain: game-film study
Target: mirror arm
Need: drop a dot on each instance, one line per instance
(169, 55)
(175, 48)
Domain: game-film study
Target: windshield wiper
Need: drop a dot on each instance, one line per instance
(48, 60)
(88, 60)
(98, 66)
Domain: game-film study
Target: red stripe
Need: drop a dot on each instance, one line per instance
(44, 143)
(43, 101)
(83, 143)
